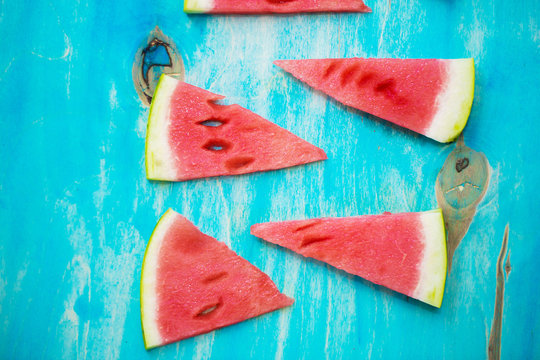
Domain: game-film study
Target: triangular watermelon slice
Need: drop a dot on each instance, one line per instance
(430, 96)
(273, 6)
(189, 136)
(192, 284)
(404, 252)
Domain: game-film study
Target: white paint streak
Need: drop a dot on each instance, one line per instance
(242, 198)
(475, 40)
(162, 191)
(21, 274)
(103, 190)
(398, 192)
(329, 320)
(221, 207)
(113, 100)
(79, 278)
(3, 281)
(534, 29)
(117, 278)
(78, 272)
(203, 347)
(142, 120)
(293, 266)
(475, 32)
(403, 28)
(372, 329)
(344, 315)
(8, 66)
(66, 55)
(281, 209)
(383, 27)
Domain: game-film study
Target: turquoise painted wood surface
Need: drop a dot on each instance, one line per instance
(76, 209)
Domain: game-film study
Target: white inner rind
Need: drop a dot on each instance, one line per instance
(159, 159)
(430, 288)
(149, 306)
(198, 6)
(454, 102)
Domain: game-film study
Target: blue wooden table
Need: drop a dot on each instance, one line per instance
(76, 210)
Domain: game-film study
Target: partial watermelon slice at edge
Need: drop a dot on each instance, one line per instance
(430, 96)
(405, 252)
(205, 269)
(272, 6)
(180, 146)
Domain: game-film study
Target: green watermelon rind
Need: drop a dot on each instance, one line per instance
(433, 267)
(151, 335)
(159, 164)
(198, 6)
(454, 102)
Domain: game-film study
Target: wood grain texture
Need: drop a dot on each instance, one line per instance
(76, 209)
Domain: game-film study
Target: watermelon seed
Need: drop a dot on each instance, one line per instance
(388, 88)
(238, 162)
(212, 122)
(387, 85)
(364, 79)
(217, 145)
(307, 226)
(330, 69)
(309, 240)
(207, 310)
(348, 73)
(215, 277)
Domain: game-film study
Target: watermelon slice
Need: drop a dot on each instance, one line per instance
(404, 252)
(430, 96)
(189, 136)
(192, 284)
(273, 6)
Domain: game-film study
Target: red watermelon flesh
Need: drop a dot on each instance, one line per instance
(273, 6)
(192, 284)
(190, 136)
(430, 96)
(404, 252)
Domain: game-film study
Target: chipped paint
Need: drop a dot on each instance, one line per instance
(119, 272)
(3, 282)
(78, 274)
(113, 97)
